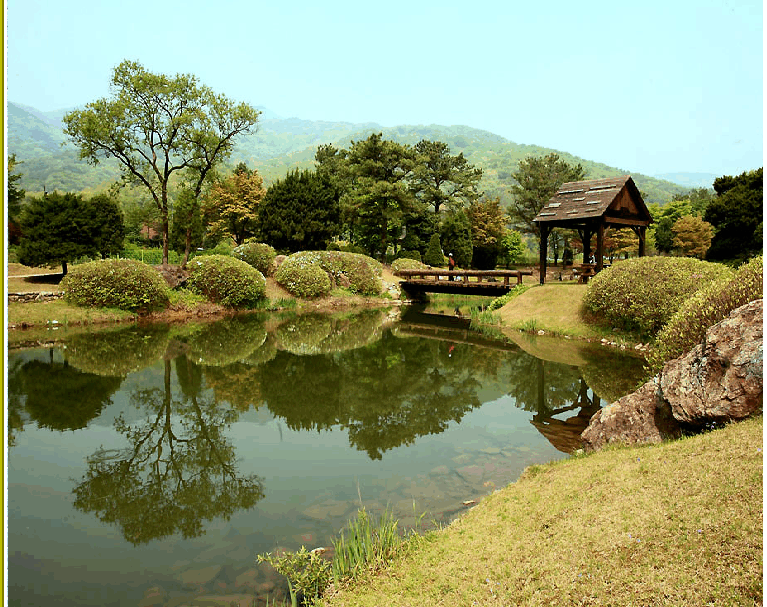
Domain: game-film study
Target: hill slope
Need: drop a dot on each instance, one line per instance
(283, 144)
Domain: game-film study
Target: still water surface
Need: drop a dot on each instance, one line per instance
(151, 466)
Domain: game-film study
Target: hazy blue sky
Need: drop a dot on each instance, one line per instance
(650, 87)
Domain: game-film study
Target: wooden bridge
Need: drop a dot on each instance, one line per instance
(466, 282)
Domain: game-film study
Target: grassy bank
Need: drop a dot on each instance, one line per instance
(554, 308)
(672, 524)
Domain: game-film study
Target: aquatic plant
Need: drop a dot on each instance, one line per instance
(364, 544)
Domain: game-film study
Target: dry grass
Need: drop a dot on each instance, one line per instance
(672, 524)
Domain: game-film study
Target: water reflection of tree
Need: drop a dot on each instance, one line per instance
(58, 396)
(540, 386)
(387, 394)
(178, 470)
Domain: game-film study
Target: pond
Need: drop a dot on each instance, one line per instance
(149, 466)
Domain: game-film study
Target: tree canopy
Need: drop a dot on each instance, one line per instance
(231, 206)
(300, 212)
(159, 128)
(439, 178)
(537, 179)
(58, 228)
(736, 214)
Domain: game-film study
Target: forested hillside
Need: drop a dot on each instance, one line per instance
(280, 145)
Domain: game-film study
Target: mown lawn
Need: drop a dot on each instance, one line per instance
(672, 524)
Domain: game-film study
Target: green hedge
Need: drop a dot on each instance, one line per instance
(257, 254)
(703, 310)
(115, 283)
(642, 294)
(226, 280)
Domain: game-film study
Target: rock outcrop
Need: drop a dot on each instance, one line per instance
(719, 380)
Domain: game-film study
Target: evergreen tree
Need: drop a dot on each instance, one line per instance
(736, 214)
(108, 225)
(57, 228)
(537, 179)
(434, 255)
(441, 179)
(456, 238)
(300, 212)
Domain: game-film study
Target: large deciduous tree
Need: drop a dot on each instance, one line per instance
(736, 214)
(537, 179)
(300, 212)
(158, 128)
(439, 178)
(231, 207)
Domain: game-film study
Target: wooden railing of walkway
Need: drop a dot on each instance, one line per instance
(469, 282)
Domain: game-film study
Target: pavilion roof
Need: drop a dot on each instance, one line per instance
(615, 200)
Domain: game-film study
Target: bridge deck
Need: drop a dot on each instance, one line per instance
(468, 282)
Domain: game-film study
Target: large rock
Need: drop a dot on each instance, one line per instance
(640, 417)
(719, 380)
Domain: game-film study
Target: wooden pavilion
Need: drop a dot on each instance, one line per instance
(591, 206)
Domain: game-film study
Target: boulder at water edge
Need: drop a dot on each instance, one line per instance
(719, 380)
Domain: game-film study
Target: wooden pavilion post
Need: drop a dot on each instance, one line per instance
(600, 245)
(544, 246)
(586, 243)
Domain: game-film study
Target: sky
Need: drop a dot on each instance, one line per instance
(650, 87)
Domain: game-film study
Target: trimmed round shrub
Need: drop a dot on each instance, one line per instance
(642, 294)
(711, 304)
(257, 254)
(301, 275)
(403, 263)
(226, 280)
(409, 255)
(116, 283)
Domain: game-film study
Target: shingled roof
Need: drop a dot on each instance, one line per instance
(614, 201)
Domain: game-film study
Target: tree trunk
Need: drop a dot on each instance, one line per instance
(64, 267)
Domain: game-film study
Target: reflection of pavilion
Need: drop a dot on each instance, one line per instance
(565, 435)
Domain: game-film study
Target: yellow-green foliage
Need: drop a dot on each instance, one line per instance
(226, 280)
(301, 274)
(706, 308)
(115, 283)
(643, 293)
(403, 263)
(256, 254)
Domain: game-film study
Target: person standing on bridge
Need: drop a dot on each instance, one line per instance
(451, 264)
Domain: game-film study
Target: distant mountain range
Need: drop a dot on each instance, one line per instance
(282, 144)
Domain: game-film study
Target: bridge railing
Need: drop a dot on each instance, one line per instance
(465, 276)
